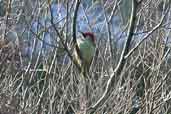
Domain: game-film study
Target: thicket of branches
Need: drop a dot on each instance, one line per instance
(129, 75)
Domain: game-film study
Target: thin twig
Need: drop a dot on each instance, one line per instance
(74, 34)
(8, 10)
(120, 66)
(146, 36)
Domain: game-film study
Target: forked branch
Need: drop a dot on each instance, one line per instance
(118, 69)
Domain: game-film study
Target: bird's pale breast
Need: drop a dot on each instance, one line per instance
(87, 49)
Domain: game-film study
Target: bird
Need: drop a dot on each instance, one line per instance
(86, 51)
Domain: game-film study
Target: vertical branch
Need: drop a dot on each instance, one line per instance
(67, 21)
(74, 28)
(74, 33)
(75, 21)
(108, 23)
(118, 69)
(8, 10)
(128, 39)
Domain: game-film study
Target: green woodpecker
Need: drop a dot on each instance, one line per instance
(86, 51)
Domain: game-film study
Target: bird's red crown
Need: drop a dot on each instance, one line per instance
(90, 34)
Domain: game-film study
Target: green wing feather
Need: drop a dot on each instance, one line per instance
(87, 50)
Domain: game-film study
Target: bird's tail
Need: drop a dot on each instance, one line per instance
(86, 83)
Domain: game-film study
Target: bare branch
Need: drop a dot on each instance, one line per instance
(146, 36)
(118, 69)
(74, 33)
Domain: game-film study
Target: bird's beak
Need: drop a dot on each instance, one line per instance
(82, 33)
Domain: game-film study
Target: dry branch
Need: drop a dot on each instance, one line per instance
(118, 69)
